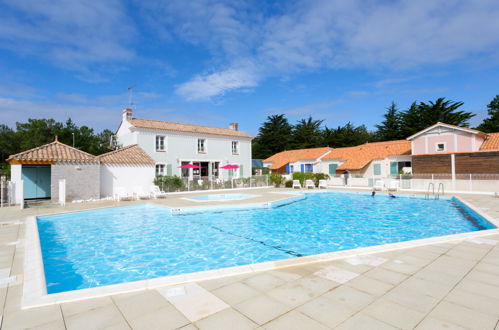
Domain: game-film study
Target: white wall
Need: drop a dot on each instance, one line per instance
(16, 177)
(182, 146)
(126, 176)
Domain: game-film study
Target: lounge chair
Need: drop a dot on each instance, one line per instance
(141, 194)
(309, 184)
(296, 184)
(120, 194)
(157, 193)
(393, 185)
(379, 185)
(322, 184)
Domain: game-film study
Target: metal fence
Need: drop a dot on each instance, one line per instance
(6, 193)
(207, 183)
(420, 182)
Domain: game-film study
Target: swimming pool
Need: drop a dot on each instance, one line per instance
(219, 197)
(131, 243)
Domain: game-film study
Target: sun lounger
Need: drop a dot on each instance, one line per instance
(393, 185)
(120, 194)
(141, 194)
(379, 185)
(309, 184)
(296, 184)
(322, 184)
(157, 193)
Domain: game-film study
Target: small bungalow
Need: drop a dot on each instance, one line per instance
(447, 149)
(370, 160)
(128, 168)
(300, 160)
(41, 168)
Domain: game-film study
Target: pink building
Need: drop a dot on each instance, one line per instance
(445, 138)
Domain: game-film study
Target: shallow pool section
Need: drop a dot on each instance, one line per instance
(131, 243)
(220, 197)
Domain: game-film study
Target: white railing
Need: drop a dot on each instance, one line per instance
(207, 183)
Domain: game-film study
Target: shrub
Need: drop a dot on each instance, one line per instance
(288, 184)
(299, 176)
(320, 176)
(276, 179)
(168, 183)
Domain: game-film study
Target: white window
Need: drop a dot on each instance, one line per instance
(160, 143)
(440, 146)
(201, 145)
(160, 169)
(235, 147)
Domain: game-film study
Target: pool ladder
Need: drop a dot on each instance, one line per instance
(432, 185)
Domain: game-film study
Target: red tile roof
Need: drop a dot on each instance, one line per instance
(130, 155)
(52, 152)
(282, 158)
(356, 158)
(168, 126)
(491, 142)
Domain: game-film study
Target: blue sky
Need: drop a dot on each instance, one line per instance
(214, 62)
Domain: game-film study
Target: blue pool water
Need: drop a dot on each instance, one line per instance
(130, 243)
(220, 197)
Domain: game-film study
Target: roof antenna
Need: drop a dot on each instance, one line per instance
(130, 96)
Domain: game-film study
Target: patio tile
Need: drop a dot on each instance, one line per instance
(262, 309)
(227, 319)
(385, 275)
(488, 268)
(139, 303)
(438, 276)
(401, 266)
(479, 288)
(336, 274)
(284, 275)
(81, 306)
(193, 301)
(431, 323)
(24, 319)
(411, 299)
(165, 318)
(264, 282)
(97, 318)
(483, 277)
(189, 327)
(235, 293)
(430, 288)
(56, 325)
(369, 285)
(300, 291)
(294, 321)
(463, 316)
(327, 311)
(363, 321)
(350, 297)
(394, 314)
(474, 301)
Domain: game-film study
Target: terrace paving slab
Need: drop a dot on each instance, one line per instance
(443, 285)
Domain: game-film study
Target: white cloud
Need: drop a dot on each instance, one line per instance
(70, 33)
(324, 34)
(203, 87)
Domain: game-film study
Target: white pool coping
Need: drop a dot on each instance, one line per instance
(35, 291)
(223, 200)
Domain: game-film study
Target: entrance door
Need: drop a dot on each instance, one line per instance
(37, 181)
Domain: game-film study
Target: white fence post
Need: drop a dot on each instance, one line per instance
(62, 192)
(20, 192)
(471, 184)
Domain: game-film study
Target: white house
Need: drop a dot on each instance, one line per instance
(172, 145)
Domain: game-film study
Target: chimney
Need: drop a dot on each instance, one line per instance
(234, 126)
(127, 114)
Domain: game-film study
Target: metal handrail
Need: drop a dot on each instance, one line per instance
(438, 190)
(427, 195)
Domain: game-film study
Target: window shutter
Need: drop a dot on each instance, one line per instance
(302, 167)
(393, 168)
(169, 169)
(377, 169)
(240, 171)
(288, 169)
(332, 169)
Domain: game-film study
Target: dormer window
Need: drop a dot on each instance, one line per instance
(160, 143)
(440, 146)
(201, 145)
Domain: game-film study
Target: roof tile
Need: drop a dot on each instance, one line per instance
(491, 142)
(282, 158)
(130, 155)
(53, 152)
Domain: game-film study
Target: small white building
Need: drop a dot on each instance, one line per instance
(128, 168)
(172, 145)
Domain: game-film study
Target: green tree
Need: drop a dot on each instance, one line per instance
(389, 129)
(307, 133)
(273, 136)
(346, 136)
(491, 123)
(422, 115)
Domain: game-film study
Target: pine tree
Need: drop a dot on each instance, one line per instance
(273, 136)
(389, 129)
(307, 133)
(491, 124)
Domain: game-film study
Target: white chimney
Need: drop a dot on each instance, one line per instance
(234, 126)
(127, 114)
